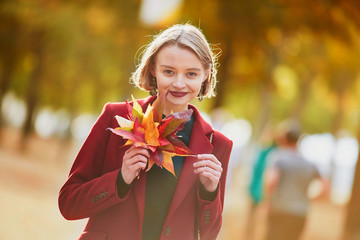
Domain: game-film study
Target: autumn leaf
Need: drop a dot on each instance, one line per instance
(168, 163)
(149, 130)
(123, 122)
(158, 107)
(127, 135)
(177, 122)
(136, 110)
(179, 147)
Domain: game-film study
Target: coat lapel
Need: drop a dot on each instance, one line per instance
(199, 144)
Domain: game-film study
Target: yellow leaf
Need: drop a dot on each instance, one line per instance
(129, 129)
(137, 110)
(151, 131)
(128, 142)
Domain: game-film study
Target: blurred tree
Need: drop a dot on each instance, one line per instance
(89, 48)
(76, 56)
(11, 48)
(32, 92)
(262, 29)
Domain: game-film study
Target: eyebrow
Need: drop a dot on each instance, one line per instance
(189, 69)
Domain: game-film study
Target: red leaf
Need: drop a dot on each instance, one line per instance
(163, 124)
(163, 141)
(127, 135)
(180, 147)
(157, 157)
(177, 122)
(129, 108)
(138, 129)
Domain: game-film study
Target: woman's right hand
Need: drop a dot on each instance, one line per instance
(135, 159)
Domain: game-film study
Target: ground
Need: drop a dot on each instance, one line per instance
(31, 177)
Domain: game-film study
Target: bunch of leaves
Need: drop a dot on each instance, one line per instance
(153, 132)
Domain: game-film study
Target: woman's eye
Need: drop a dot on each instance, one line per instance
(192, 74)
(168, 72)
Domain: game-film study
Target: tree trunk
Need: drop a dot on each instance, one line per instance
(6, 74)
(33, 86)
(10, 55)
(264, 113)
(304, 95)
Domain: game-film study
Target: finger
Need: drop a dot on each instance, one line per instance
(210, 157)
(133, 151)
(138, 166)
(212, 177)
(136, 159)
(209, 164)
(207, 170)
(138, 150)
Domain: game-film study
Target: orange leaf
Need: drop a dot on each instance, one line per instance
(151, 131)
(168, 163)
(150, 164)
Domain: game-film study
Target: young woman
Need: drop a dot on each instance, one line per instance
(108, 183)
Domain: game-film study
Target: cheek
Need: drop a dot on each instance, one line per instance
(196, 86)
(163, 84)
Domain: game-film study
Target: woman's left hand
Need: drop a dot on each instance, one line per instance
(209, 169)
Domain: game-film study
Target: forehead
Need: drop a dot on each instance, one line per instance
(174, 55)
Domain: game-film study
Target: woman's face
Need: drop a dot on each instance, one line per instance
(180, 72)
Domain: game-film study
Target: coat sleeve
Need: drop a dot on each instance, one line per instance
(209, 215)
(87, 190)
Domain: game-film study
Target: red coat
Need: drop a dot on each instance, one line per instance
(91, 192)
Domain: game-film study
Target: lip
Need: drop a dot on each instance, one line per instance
(177, 94)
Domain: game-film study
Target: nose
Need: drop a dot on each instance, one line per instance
(179, 81)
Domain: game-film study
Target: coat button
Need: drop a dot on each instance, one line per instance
(167, 231)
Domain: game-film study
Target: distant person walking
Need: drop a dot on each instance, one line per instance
(287, 182)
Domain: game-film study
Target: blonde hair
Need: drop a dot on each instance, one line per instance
(181, 35)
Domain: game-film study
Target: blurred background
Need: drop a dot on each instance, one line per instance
(61, 61)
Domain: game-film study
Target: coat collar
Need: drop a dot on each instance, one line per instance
(199, 144)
